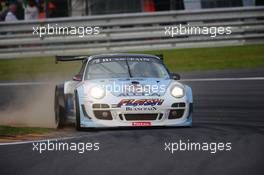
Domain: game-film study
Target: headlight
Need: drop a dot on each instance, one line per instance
(177, 91)
(97, 92)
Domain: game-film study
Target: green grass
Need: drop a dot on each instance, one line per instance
(250, 56)
(12, 131)
(35, 68)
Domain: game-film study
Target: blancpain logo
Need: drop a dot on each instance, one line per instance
(153, 108)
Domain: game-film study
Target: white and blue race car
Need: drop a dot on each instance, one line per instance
(122, 90)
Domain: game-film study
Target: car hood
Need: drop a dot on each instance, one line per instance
(132, 87)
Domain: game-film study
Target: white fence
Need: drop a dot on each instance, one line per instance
(132, 32)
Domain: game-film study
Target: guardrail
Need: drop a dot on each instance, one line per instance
(132, 32)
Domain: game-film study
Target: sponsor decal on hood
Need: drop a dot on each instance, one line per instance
(140, 102)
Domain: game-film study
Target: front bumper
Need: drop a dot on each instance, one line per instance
(106, 113)
(119, 117)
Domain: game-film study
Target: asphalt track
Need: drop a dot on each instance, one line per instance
(225, 110)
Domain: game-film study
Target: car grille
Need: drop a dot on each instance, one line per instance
(98, 105)
(130, 117)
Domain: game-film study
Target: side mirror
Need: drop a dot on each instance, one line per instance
(175, 76)
(77, 77)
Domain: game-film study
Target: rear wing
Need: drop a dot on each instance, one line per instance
(82, 58)
(160, 56)
(70, 58)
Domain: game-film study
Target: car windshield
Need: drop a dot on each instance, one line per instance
(125, 69)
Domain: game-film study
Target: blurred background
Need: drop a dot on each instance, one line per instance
(67, 8)
(129, 26)
(124, 25)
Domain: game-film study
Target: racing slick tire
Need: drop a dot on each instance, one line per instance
(77, 112)
(60, 112)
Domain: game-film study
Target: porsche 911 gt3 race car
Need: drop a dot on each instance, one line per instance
(122, 90)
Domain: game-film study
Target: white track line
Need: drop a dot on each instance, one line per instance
(43, 140)
(23, 83)
(224, 79)
(195, 79)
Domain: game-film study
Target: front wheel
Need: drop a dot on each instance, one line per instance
(77, 112)
(59, 111)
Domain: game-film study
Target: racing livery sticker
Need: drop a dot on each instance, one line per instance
(141, 124)
(112, 59)
(140, 102)
(136, 109)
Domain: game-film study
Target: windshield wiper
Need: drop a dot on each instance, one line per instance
(130, 75)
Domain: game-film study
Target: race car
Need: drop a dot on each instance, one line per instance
(122, 90)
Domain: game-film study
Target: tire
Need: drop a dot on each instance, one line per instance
(77, 113)
(59, 110)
